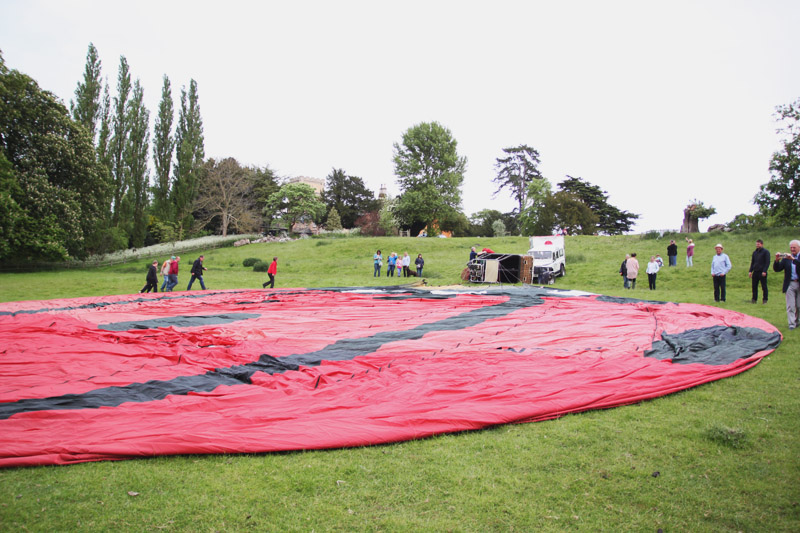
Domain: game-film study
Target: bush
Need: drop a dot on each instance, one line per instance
(250, 261)
(260, 266)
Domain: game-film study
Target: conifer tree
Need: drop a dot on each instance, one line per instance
(163, 146)
(119, 138)
(137, 175)
(189, 155)
(86, 107)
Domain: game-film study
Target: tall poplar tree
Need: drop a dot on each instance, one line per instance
(136, 152)
(119, 138)
(86, 107)
(189, 154)
(163, 146)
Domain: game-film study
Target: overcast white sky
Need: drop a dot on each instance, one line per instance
(657, 103)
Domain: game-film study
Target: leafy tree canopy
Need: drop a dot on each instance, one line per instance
(568, 212)
(292, 203)
(430, 174)
(51, 189)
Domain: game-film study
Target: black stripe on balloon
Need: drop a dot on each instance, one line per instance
(341, 350)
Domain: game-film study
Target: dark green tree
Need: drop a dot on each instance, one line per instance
(163, 148)
(52, 196)
(119, 139)
(610, 219)
(430, 174)
(481, 222)
(87, 106)
(189, 155)
(349, 196)
(778, 200)
(136, 156)
(516, 170)
(568, 212)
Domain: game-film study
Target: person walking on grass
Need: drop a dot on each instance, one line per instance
(152, 278)
(173, 273)
(790, 265)
(272, 271)
(197, 273)
(759, 265)
(652, 272)
(165, 274)
(720, 266)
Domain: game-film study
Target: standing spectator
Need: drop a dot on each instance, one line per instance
(152, 278)
(623, 271)
(420, 262)
(472, 254)
(165, 273)
(652, 271)
(378, 264)
(632, 265)
(406, 264)
(720, 266)
(689, 252)
(759, 265)
(197, 273)
(391, 263)
(271, 272)
(672, 253)
(173, 273)
(790, 264)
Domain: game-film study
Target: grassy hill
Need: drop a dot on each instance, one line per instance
(720, 457)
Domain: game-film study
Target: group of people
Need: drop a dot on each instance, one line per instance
(401, 264)
(629, 270)
(169, 271)
(788, 263)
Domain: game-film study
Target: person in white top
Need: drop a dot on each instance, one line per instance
(652, 271)
(406, 263)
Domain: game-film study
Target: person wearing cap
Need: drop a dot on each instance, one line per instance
(173, 272)
(790, 264)
(720, 266)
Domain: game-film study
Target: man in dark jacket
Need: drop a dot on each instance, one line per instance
(197, 273)
(759, 265)
(672, 253)
(623, 270)
(152, 278)
(790, 264)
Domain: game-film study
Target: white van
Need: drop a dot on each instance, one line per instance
(548, 255)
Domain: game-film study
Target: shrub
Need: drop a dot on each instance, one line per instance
(260, 266)
(733, 437)
(250, 261)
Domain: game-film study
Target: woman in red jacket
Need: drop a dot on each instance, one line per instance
(271, 271)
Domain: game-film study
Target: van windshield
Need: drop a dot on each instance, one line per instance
(542, 255)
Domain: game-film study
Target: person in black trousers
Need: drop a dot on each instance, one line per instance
(759, 265)
(152, 278)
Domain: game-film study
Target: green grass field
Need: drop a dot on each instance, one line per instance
(719, 457)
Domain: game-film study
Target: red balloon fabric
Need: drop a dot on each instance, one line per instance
(248, 371)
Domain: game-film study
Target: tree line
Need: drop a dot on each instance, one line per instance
(77, 182)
